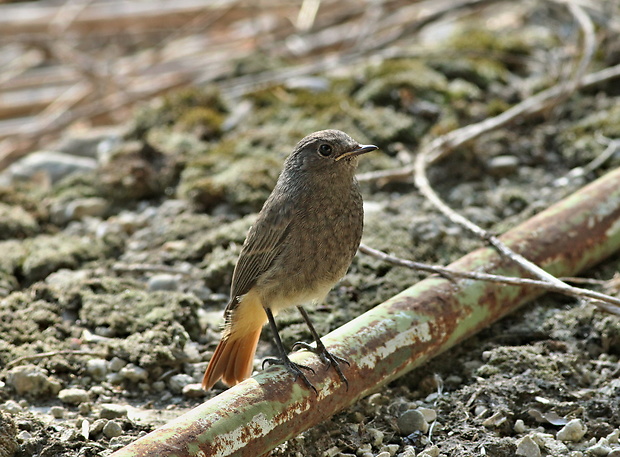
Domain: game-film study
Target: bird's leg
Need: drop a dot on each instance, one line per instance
(321, 350)
(282, 359)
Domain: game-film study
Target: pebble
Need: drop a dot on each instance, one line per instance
(58, 412)
(178, 381)
(503, 165)
(97, 427)
(376, 436)
(116, 364)
(600, 449)
(377, 399)
(112, 429)
(412, 421)
(67, 435)
(527, 447)
(24, 436)
(390, 448)
(97, 368)
(364, 448)
(163, 281)
(409, 451)
(11, 406)
(573, 431)
(550, 444)
(32, 380)
(112, 411)
(82, 207)
(383, 454)
(134, 373)
(73, 396)
(614, 453)
(193, 390)
(331, 452)
(614, 436)
(56, 165)
(429, 414)
(519, 426)
(432, 451)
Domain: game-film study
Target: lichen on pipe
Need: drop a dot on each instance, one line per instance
(396, 336)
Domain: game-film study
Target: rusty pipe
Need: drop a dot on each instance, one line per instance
(396, 336)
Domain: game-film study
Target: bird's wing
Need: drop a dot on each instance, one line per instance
(262, 245)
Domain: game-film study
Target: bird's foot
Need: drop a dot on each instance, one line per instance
(293, 368)
(327, 357)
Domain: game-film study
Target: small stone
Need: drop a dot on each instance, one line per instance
(600, 449)
(503, 165)
(573, 431)
(376, 436)
(24, 436)
(73, 396)
(432, 451)
(83, 207)
(377, 399)
(97, 368)
(527, 447)
(67, 435)
(84, 429)
(390, 449)
(31, 380)
(519, 426)
(383, 454)
(178, 381)
(613, 437)
(11, 406)
(84, 408)
(614, 453)
(57, 411)
(412, 421)
(193, 390)
(55, 165)
(134, 373)
(97, 427)
(429, 414)
(331, 452)
(115, 378)
(112, 411)
(408, 451)
(116, 364)
(112, 429)
(366, 447)
(163, 282)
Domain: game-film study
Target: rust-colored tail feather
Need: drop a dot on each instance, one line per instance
(232, 360)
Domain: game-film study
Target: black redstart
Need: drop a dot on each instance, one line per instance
(302, 243)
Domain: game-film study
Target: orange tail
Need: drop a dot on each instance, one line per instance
(233, 359)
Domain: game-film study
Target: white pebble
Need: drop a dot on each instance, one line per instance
(527, 447)
(573, 431)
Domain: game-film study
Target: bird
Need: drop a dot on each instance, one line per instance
(301, 244)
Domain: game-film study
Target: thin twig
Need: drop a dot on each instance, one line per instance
(604, 301)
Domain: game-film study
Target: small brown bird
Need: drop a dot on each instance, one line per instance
(302, 243)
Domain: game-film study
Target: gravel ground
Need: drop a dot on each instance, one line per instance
(119, 243)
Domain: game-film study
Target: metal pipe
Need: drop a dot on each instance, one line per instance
(396, 336)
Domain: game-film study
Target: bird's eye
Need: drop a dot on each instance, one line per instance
(325, 150)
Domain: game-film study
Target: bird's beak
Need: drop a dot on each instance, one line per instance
(361, 149)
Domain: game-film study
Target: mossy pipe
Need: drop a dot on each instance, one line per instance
(396, 336)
